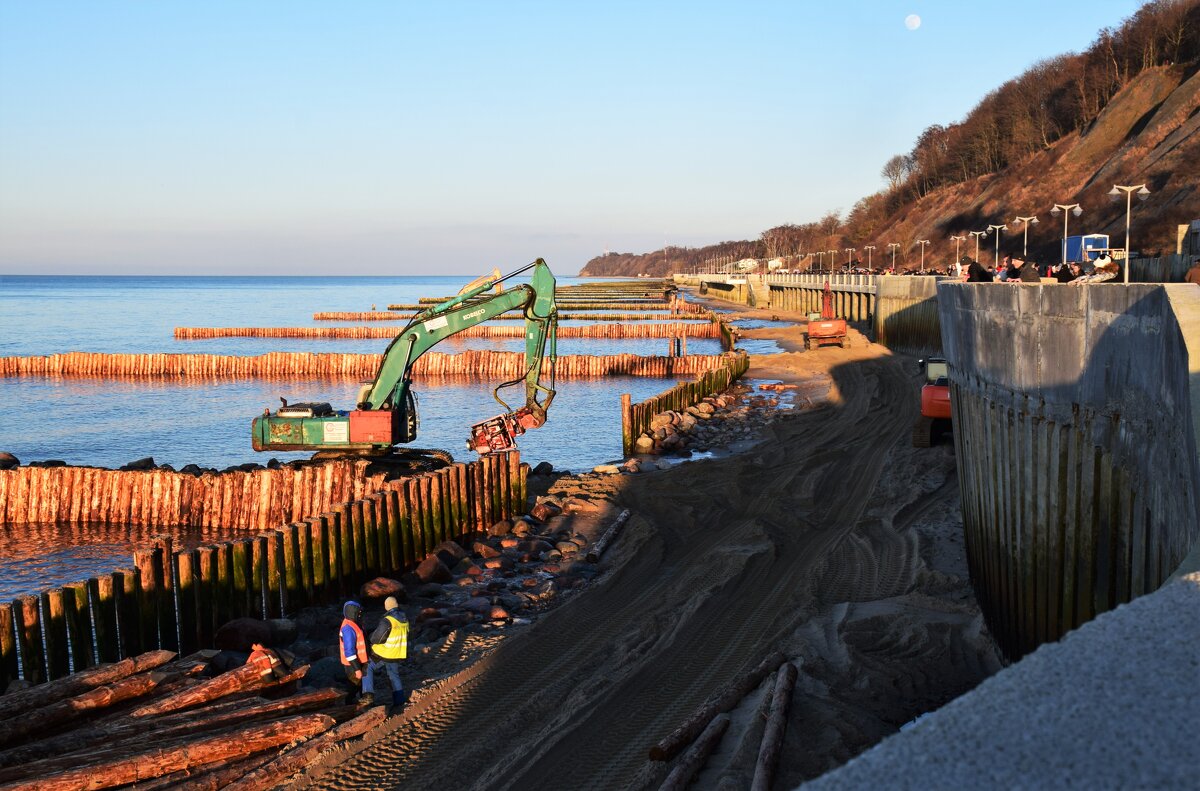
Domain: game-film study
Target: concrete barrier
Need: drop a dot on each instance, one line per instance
(906, 314)
(1075, 426)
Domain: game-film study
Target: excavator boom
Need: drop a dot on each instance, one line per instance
(386, 414)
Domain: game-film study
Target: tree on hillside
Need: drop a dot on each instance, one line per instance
(895, 170)
(830, 224)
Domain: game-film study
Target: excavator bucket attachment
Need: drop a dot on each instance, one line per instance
(500, 433)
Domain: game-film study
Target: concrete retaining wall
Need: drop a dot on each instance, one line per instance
(906, 314)
(1075, 424)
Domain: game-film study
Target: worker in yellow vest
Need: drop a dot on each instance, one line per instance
(389, 647)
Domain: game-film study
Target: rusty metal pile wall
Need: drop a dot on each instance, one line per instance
(1075, 425)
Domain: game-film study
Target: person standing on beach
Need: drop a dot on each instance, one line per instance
(353, 651)
(389, 647)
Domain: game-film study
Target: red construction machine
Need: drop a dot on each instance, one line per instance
(829, 329)
(935, 403)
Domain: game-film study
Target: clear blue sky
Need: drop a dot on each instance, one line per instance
(448, 137)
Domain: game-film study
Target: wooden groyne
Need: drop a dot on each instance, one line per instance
(254, 500)
(635, 418)
(675, 329)
(282, 365)
(384, 315)
(562, 304)
(176, 599)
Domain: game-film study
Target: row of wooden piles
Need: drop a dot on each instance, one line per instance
(160, 722)
(175, 599)
(284, 365)
(636, 418)
(674, 329)
(387, 315)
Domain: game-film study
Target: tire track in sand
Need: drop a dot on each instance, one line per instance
(715, 566)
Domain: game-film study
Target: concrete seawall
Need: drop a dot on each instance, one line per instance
(906, 314)
(1076, 414)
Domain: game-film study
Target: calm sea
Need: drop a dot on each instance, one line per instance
(111, 422)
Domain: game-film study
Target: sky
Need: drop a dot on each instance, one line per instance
(379, 138)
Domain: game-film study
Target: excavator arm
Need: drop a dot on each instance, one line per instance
(386, 411)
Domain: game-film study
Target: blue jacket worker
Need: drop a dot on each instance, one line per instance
(389, 647)
(354, 651)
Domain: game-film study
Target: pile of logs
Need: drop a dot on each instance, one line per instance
(701, 732)
(674, 329)
(157, 720)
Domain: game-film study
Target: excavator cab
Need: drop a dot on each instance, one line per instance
(935, 402)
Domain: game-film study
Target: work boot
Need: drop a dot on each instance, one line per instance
(366, 699)
(398, 699)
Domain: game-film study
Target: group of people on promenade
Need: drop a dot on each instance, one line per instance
(387, 648)
(1017, 270)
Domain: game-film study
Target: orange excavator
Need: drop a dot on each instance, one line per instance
(829, 329)
(935, 403)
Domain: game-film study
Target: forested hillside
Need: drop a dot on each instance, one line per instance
(1125, 111)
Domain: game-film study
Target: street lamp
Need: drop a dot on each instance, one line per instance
(1073, 208)
(957, 241)
(977, 234)
(848, 251)
(1026, 221)
(922, 242)
(893, 245)
(868, 248)
(832, 260)
(1142, 194)
(997, 229)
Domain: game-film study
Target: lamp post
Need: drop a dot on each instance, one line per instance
(1026, 221)
(893, 246)
(1073, 208)
(957, 240)
(1142, 194)
(868, 248)
(832, 260)
(977, 234)
(820, 261)
(997, 229)
(848, 251)
(923, 243)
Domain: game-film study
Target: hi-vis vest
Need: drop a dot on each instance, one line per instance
(396, 645)
(360, 644)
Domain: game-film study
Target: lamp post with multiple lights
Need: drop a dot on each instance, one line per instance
(923, 243)
(893, 246)
(849, 251)
(1026, 221)
(957, 240)
(1072, 208)
(832, 260)
(868, 248)
(997, 229)
(1142, 194)
(977, 235)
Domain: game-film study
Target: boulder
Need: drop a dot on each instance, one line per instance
(498, 613)
(509, 542)
(607, 469)
(8, 461)
(478, 604)
(450, 552)
(567, 547)
(432, 569)
(325, 672)
(503, 564)
(430, 590)
(501, 528)
(632, 465)
(381, 588)
(485, 550)
(542, 468)
(544, 510)
(241, 633)
(521, 528)
(644, 444)
(141, 464)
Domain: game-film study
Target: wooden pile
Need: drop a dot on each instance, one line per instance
(672, 329)
(158, 721)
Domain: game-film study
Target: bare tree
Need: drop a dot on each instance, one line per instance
(895, 170)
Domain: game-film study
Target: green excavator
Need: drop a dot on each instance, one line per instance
(386, 413)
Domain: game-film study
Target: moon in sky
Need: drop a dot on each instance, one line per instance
(912, 21)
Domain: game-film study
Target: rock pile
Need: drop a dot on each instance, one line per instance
(716, 421)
